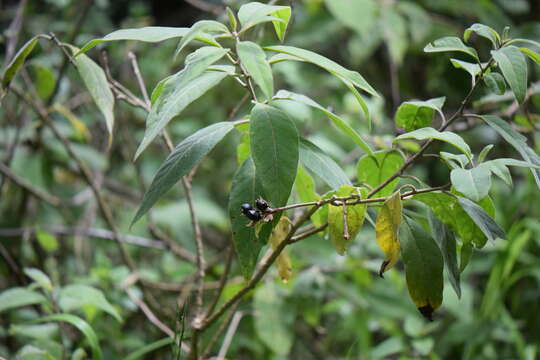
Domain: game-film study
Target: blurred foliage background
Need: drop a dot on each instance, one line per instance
(334, 307)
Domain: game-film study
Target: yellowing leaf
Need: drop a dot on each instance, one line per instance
(386, 230)
(283, 262)
(354, 219)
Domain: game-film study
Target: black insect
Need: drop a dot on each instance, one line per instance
(253, 215)
(261, 204)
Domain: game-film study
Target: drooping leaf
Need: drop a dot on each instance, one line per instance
(359, 98)
(474, 183)
(514, 69)
(431, 133)
(484, 31)
(450, 43)
(77, 296)
(447, 208)
(246, 188)
(17, 62)
(334, 68)
(499, 167)
(354, 219)
(533, 55)
(198, 32)
(273, 320)
(180, 90)
(180, 161)
(96, 82)
(316, 161)
(18, 296)
(484, 222)
(447, 243)
(254, 13)
(338, 122)
(413, 115)
(83, 327)
(518, 141)
(39, 278)
(374, 169)
(465, 256)
(253, 59)
(274, 147)
(495, 83)
(472, 68)
(386, 230)
(283, 262)
(423, 267)
(147, 34)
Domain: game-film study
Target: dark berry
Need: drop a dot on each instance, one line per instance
(253, 215)
(261, 204)
(245, 207)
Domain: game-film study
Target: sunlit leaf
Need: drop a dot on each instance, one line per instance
(533, 55)
(39, 278)
(254, 13)
(386, 231)
(198, 32)
(77, 296)
(474, 183)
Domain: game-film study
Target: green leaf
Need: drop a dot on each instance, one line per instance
(484, 153)
(533, 55)
(96, 82)
(147, 34)
(200, 31)
(518, 141)
(412, 115)
(423, 263)
(182, 89)
(448, 210)
(359, 15)
(374, 169)
(355, 219)
(254, 13)
(499, 167)
(332, 67)
(253, 59)
(18, 296)
(495, 83)
(450, 43)
(514, 68)
(246, 188)
(394, 31)
(180, 161)
(83, 327)
(232, 19)
(465, 256)
(77, 296)
(474, 183)
(47, 241)
(139, 353)
(338, 122)
(386, 231)
(272, 320)
(30, 352)
(472, 68)
(447, 243)
(17, 62)
(452, 159)
(274, 147)
(484, 31)
(431, 133)
(484, 222)
(39, 278)
(316, 161)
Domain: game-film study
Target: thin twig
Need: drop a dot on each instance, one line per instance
(229, 335)
(222, 281)
(140, 80)
(25, 184)
(219, 331)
